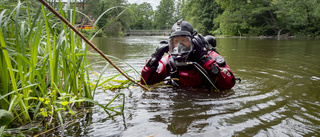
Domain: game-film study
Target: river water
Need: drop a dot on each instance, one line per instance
(279, 94)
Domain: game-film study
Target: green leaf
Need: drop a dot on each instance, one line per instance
(6, 117)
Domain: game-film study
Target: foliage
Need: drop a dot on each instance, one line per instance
(269, 17)
(240, 16)
(178, 14)
(164, 15)
(202, 20)
(302, 16)
(218, 17)
(5, 117)
(92, 8)
(44, 69)
(143, 13)
(95, 8)
(43, 65)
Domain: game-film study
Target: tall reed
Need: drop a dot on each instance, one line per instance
(44, 66)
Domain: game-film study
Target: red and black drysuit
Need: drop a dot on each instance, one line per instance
(223, 79)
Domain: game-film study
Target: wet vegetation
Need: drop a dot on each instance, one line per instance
(45, 73)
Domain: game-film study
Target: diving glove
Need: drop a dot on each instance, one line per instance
(157, 55)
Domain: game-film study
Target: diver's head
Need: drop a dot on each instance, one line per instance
(180, 41)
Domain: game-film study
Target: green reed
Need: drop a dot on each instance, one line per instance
(44, 65)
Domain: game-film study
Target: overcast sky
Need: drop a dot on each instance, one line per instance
(154, 3)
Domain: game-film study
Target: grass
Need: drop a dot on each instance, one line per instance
(44, 68)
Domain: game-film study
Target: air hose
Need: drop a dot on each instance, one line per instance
(205, 74)
(198, 66)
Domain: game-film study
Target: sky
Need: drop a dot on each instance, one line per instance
(154, 3)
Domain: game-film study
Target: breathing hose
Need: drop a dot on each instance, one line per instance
(205, 74)
(196, 65)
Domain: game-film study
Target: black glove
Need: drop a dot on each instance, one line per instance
(200, 45)
(157, 55)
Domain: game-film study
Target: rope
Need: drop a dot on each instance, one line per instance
(88, 42)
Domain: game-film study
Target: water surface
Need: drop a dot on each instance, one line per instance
(279, 94)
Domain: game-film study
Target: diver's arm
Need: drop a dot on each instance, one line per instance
(152, 75)
(215, 64)
(219, 70)
(155, 69)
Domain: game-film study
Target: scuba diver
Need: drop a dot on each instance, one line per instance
(192, 60)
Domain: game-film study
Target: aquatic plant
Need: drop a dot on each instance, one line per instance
(44, 68)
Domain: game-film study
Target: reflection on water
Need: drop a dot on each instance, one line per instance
(278, 96)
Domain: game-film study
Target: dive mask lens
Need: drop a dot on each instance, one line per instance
(180, 49)
(180, 45)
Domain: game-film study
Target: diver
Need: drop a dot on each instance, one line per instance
(192, 60)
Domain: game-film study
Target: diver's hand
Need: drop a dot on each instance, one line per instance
(200, 44)
(157, 55)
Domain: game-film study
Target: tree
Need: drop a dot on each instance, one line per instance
(180, 4)
(302, 16)
(201, 14)
(142, 18)
(164, 15)
(270, 17)
(95, 8)
(253, 17)
(89, 9)
(147, 11)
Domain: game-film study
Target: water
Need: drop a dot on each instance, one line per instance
(279, 94)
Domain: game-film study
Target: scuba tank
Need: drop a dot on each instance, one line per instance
(212, 43)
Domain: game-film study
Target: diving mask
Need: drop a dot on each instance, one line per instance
(180, 47)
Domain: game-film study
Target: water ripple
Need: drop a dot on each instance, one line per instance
(315, 78)
(278, 95)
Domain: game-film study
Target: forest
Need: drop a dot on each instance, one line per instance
(219, 17)
(215, 17)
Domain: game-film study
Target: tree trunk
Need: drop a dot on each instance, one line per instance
(279, 32)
